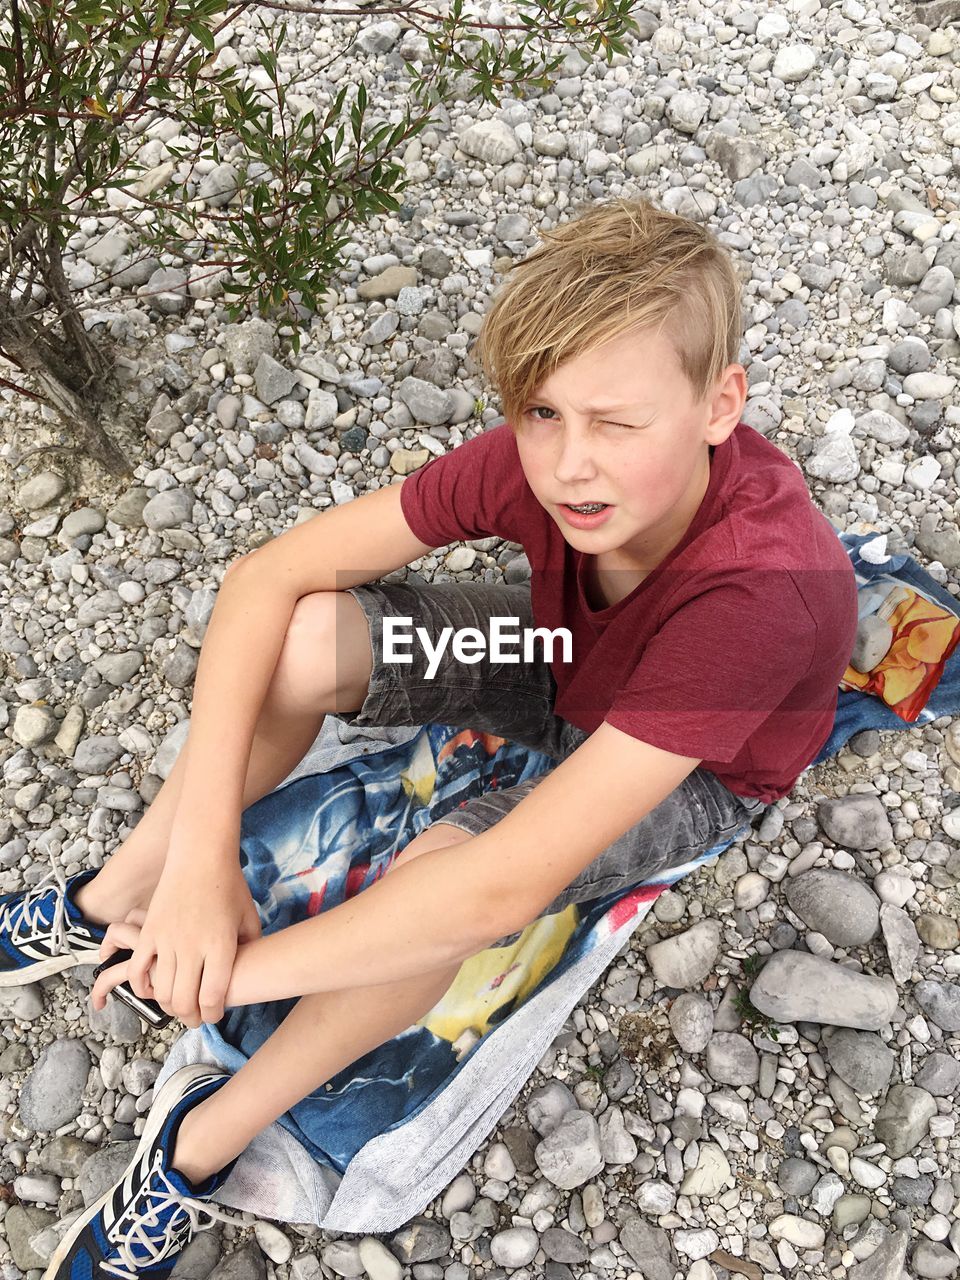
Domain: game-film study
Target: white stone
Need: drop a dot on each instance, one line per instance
(800, 1232)
(922, 473)
(711, 1174)
(696, 1244)
(867, 1175)
(655, 1197)
(492, 141)
(794, 62)
(875, 551)
(685, 959)
(514, 1247)
(378, 1262)
(459, 1196)
(750, 890)
(929, 386)
(892, 887)
(889, 470)
(272, 1241)
(772, 27)
(836, 459)
(498, 1163)
(460, 559)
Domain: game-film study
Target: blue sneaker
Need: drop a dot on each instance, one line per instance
(140, 1226)
(42, 931)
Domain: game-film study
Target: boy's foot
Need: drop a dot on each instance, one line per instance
(141, 1225)
(43, 932)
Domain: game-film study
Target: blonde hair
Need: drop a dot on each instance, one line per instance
(622, 266)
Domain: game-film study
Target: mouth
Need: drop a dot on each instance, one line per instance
(585, 516)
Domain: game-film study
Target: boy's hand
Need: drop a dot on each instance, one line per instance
(185, 946)
(122, 936)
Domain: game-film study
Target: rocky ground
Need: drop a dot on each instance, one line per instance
(703, 1114)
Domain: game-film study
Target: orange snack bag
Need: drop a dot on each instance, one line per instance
(925, 634)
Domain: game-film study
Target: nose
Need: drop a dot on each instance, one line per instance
(574, 463)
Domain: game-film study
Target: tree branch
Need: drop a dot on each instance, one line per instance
(18, 53)
(23, 391)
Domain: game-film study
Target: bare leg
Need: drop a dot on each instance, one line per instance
(288, 724)
(322, 1034)
(281, 741)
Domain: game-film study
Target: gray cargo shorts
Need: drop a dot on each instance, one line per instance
(516, 701)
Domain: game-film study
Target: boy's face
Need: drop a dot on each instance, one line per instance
(620, 426)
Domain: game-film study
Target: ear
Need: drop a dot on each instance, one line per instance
(726, 406)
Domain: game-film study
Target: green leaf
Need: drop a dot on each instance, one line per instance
(204, 36)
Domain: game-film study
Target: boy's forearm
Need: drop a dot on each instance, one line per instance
(240, 650)
(423, 916)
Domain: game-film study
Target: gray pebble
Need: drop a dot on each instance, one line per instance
(855, 822)
(571, 1155)
(940, 1001)
(838, 905)
(732, 1059)
(904, 1118)
(913, 1192)
(51, 1093)
(691, 1020)
(860, 1058)
(796, 1176)
(939, 1075)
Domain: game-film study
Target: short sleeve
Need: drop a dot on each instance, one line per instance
(719, 666)
(468, 492)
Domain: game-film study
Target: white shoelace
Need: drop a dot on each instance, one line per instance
(31, 912)
(31, 915)
(136, 1234)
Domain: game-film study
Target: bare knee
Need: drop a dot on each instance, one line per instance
(439, 836)
(326, 660)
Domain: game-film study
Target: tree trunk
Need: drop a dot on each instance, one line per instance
(73, 374)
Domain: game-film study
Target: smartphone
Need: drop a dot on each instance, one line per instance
(149, 1010)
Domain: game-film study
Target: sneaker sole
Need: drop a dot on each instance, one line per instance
(44, 969)
(171, 1091)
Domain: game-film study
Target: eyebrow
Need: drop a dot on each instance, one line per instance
(599, 408)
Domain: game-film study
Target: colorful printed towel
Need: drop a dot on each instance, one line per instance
(392, 1130)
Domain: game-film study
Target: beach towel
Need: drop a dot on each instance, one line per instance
(371, 1148)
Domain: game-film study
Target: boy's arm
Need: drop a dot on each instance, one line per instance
(450, 903)
(336, 549)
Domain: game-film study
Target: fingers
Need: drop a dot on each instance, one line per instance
(139, 966)
(217, 970)
(185, 1003)
(250, 926)
(186, 980)
(106, 982)
(119, 936)
(173, 981)
(164, 977)
(139, 971)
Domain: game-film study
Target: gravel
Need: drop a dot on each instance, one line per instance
(675, 1127)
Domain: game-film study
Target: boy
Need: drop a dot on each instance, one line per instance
(711, 611)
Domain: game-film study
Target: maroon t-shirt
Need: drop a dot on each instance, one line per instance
(730, 650)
